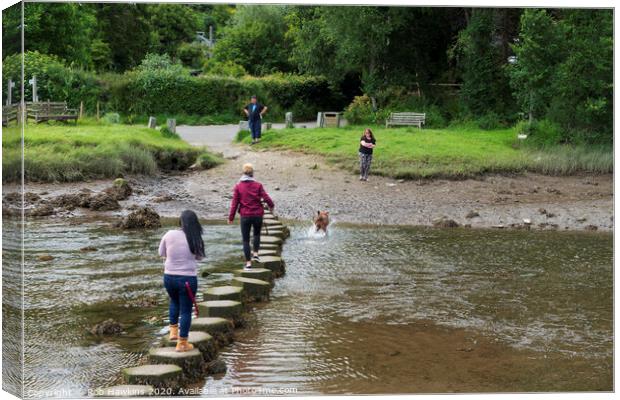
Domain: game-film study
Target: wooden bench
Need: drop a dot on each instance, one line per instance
(50, 111)
(406, 118)
(9, 113)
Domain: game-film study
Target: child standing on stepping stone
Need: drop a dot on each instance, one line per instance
(182, 248)
(247, 196)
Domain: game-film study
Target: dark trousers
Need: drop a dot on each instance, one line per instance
(180, 302)
(247, 223)
(255, 127)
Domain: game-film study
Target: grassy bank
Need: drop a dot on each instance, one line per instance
(454, 153)
(90, 150)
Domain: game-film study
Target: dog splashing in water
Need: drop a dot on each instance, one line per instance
(321, 221)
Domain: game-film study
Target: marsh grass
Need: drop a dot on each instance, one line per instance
(90, 150)
(456, 152)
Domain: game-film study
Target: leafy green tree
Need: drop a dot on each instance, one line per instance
(126, 28)
(484, 89)
(255, 39)
(538, 51)
(583, 84)
(564, 71)
(172, 25)
(62, 29)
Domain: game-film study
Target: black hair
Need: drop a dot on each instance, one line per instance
(193, 232)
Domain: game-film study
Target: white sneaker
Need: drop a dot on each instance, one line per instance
(247, 268)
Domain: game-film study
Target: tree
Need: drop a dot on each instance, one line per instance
(538, 51)
(564, 71)
(69, 40)
(171, 25)
(255, 39)
(484, 89)
(126, 28)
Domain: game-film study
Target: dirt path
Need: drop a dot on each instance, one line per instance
(302, 184)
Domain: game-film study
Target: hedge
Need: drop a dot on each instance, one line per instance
(171, 91)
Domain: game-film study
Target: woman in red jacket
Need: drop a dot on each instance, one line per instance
(247, 197)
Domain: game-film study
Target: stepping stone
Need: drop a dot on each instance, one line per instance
(125, 391)
(157, 375)
(268, 252)
(272, 228)
(223, 293)
(190, 361)
(253, 289)
(269, 246)
(229, 309)
(220, 329)
(277, 233)
(263, 274)
(273, 263)
(270, 240)
(201, 340)
(270, 221)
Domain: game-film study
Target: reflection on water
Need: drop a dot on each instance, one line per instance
(353, 306)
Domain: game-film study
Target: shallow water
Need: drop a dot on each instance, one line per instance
(363, 310)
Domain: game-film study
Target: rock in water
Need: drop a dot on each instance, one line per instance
(142, 218)
(45, 257)
(42, 211)
(445, 223)
(217, 367)
(472, 214)
(120, 189)
(103, 202)
(107, 327)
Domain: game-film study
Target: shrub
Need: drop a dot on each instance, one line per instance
(223, 68)
(112, 118)
(489, 121)
(360, 110)
(543, 133)
(191, 54)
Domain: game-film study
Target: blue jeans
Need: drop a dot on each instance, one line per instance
(180, 302)
(255, 127)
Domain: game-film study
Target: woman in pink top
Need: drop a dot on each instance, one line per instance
(247, 199)
(182, 248)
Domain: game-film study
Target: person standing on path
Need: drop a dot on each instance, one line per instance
(247, 199)
(255, 111)
(367, 144)
(182, 248)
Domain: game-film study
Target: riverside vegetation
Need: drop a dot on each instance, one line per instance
(91, 150)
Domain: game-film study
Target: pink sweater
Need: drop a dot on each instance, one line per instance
(179, 259)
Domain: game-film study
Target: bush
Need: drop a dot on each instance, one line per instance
(112, 118)
(489, 121)
(223, 68)
(191, 55)
(543, 133)
(360, 111)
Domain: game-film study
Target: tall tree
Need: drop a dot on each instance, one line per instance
(62, 29)
(171, 25)
(255, 39)
(126, 30)
(479, 55)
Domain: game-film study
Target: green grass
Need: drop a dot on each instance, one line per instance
(456, 152)
(59, 152)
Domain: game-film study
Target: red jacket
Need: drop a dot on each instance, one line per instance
(247, 197)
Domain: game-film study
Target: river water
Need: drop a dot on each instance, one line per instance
(365, 310)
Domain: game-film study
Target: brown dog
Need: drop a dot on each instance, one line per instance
(321, 221)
